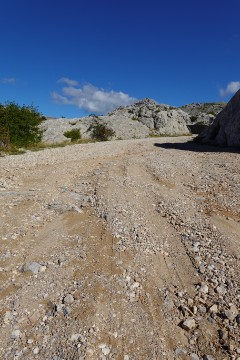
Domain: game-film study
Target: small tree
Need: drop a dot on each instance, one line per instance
(21, 124)
(101, 132)
(73, 134)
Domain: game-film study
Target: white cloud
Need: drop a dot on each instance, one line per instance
(91, 98)
(10, 80)
(231, 88)
(68, 81)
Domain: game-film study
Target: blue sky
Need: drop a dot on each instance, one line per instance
(70, 58)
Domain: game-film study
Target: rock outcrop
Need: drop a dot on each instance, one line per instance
(142, 119)
(159, 118)
(225, 129)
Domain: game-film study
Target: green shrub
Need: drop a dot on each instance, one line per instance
(211, 113)
(101, 132)
(193, 118)
(19, 125)
(73, 134)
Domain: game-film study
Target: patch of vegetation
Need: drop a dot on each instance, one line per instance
(193, 118)
(19, 126)
(73, 134)
(100, 132)
(211, 113)
(155, 135)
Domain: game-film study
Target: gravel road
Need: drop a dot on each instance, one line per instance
(125, 250)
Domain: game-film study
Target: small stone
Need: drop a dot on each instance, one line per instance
(190, 302)
(74, 337)
(231, 313)
(16, 334)
(106, 350)
(208, 357)
(180, 351)
(188, 324)
(194, 357)
(213, 308)
(135, 285)
(126, 357)
(221, 290)
(36, 350)
(202, 309)
(8, 317)
(34, 267)
(68, 299)
(203, 289)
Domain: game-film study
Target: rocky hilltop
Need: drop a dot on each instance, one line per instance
(142, 119)
(225, 129)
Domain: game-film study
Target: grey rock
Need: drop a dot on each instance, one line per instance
(194, 357)
(225, 129)
(68, 299)
(208, 357)
(180, 351)
(221, 290)
(231, 313)
(34, 267)
(16, 334)
(188, 324)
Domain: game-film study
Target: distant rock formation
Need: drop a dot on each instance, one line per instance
(142, 119)
(160, 119)
(225, 129)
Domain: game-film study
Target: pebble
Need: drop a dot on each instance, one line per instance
(180, 351)
(36, 350)
(221, 290)
(213, 308)
(231, 313)
(194, 357)
(34, 267)
(188, 324)
(203, 289)
(16, 334)
(68, 299)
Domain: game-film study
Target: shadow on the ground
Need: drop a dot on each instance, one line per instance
(196, 147)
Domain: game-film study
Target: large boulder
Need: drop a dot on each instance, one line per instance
(225, 129)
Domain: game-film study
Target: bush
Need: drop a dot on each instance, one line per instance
(193, 118)
(19, 126)
(101, 132)
(73, 134)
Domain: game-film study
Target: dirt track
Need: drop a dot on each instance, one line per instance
(130, 240)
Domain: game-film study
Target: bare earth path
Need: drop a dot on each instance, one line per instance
(121, 250)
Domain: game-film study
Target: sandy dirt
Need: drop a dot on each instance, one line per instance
(120, 250)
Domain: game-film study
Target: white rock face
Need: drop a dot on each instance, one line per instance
(225, 130)
(139, 120)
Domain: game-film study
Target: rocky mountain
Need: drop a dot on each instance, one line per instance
(225, 129)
